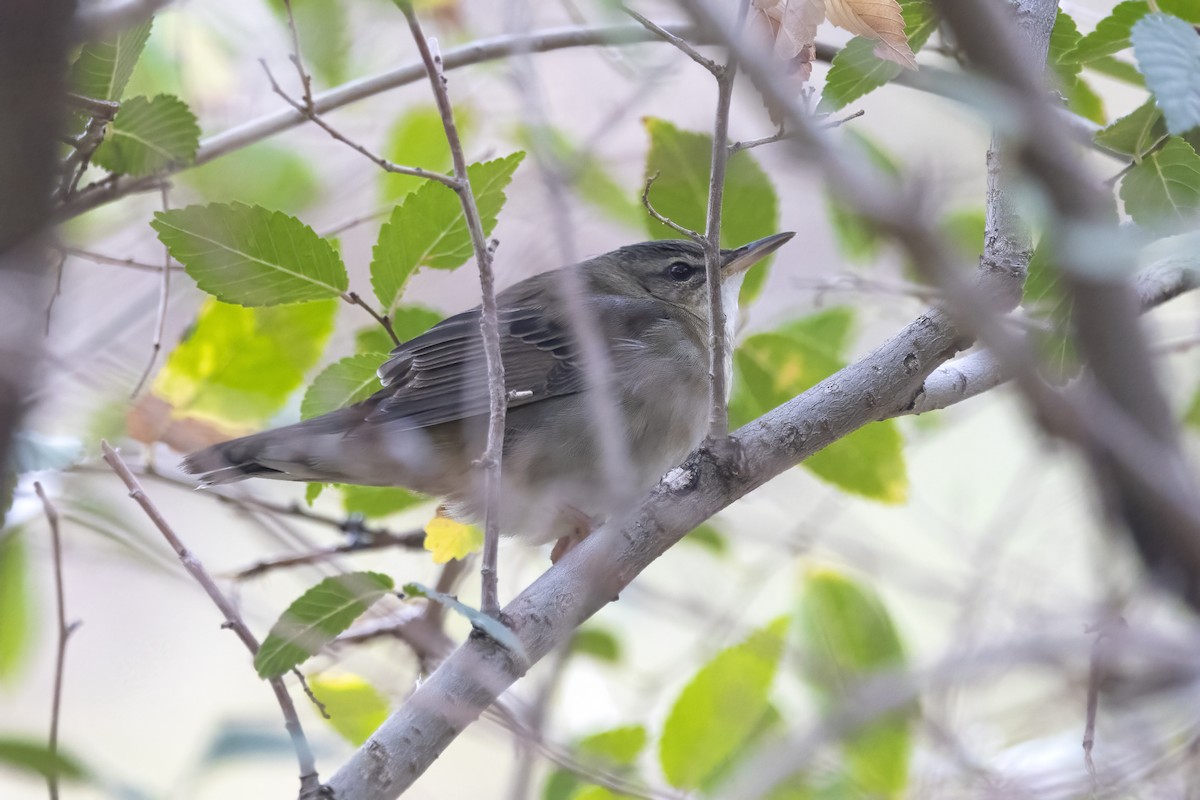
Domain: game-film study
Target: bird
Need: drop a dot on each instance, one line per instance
(425, 429)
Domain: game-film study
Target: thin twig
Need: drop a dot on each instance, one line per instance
(354, 299)
(311, 115)
(100, 258)
(719, 343)
(58, 278)
(256, 130)
(310, 784)
(679, 44)
(164, 293)
(411, 540)
(64, 633)
(488, 319)
(670, 223)
(312, 698)
(297, 59)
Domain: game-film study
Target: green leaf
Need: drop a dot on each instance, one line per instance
(355, 708)
(1064, 37)
(103, 67)
(312, 491)
(857, 238)
(324, 32)
(847, 634)
(966, 228)
(316, 618)
(613, 750)
(1080, 97)
(341, 384)
(1135, 133)
(1188, 10)
(15, 603)
(1111, 34)
(827, 331)
(708, 537)
(617, 747)
(1192, 417)
(377, 501)
(1163, 191)
(239, 365)
(682, 160)
(418, 139)
(251, 256)
(263, 174)
(1116, 69)
(856, 70)
(589, 176)
(1083, 100)
(772, 368)
(427, 228)
(597, 643)
(1168, 54)
(721, 705)
(29, 756)
(408, 322)
(147, 135)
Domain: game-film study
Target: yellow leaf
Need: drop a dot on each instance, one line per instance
(449, 539)
(354, 707)
(875, 19)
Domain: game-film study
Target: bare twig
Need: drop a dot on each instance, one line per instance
(670, 223)
(249, 133)
(311, 115)
(720, 342)
(64, 633)
(310, 784)
(164, 294)
(488, 322)
(354, 299)
(679, 43)
(411, 540)
(100, 258)
(298, 59)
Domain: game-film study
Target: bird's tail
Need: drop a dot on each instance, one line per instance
(307, 451)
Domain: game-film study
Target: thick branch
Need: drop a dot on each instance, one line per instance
(594, 572)
(980, 372)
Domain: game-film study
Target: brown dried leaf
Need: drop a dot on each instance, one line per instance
(151, 419)
(875, 19)
(788, 28)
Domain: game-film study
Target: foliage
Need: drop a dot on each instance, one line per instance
(316, 618)
(427, 228)
(682, 160)
(354, 708)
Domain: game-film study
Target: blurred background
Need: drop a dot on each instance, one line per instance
(992, 536)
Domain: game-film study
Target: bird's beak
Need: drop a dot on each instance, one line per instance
(746, 256)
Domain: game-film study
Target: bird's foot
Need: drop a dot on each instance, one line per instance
(583, 528)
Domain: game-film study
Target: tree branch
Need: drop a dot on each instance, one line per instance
(64, 633)
(310, 784)
(489, 324)
(930, 79)
(980, 372)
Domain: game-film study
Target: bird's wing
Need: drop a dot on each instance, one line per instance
(441, 375)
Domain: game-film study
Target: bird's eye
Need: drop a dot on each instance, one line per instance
(681, 271)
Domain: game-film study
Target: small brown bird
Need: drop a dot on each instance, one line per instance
(427, 425)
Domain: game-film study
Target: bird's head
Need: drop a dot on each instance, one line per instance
(672, 270)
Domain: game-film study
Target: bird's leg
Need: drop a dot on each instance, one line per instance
(582, 527)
